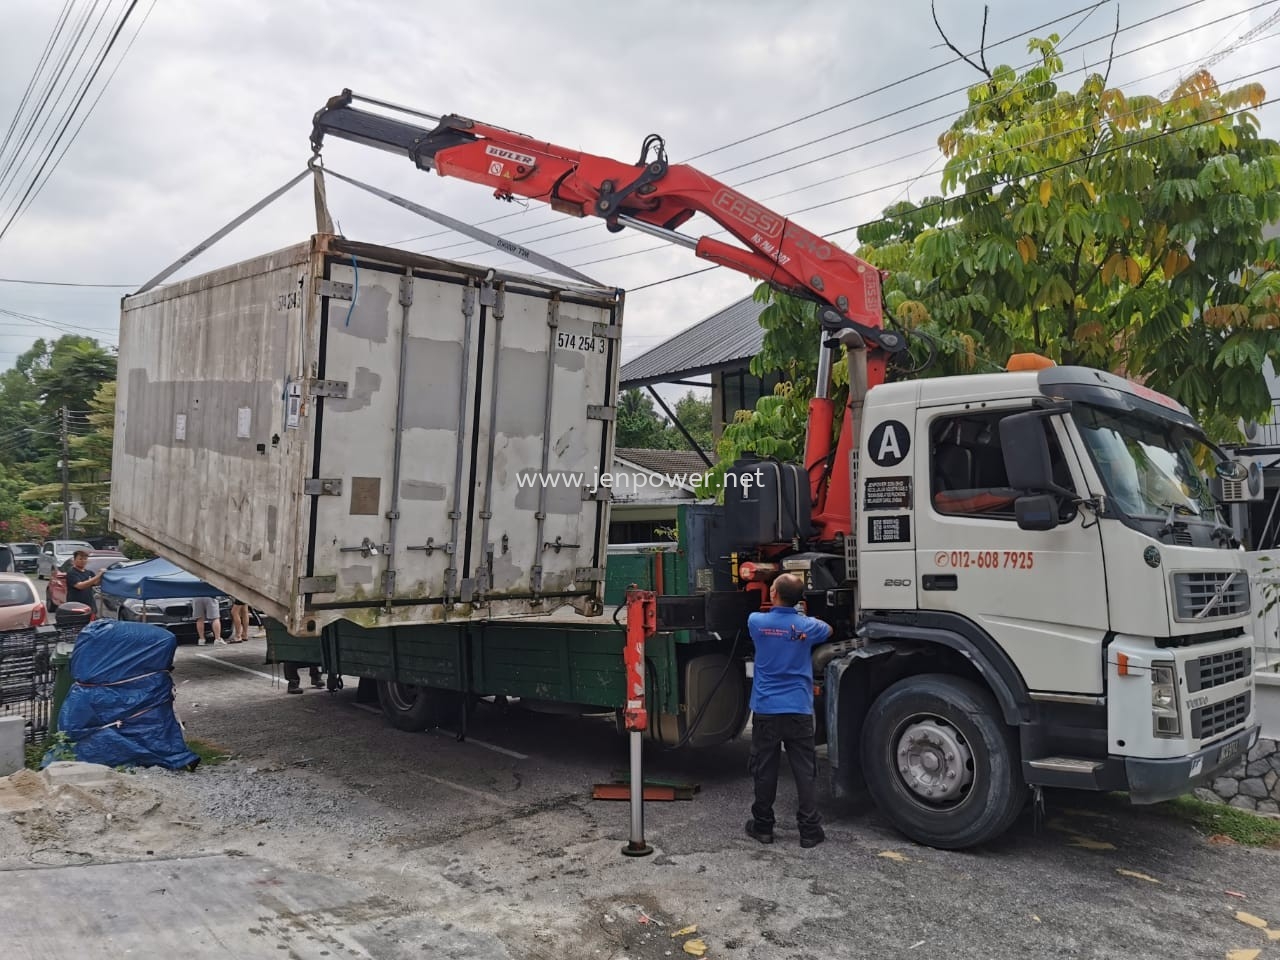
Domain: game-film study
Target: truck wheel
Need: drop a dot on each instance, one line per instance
(407, 707)
(941, 763)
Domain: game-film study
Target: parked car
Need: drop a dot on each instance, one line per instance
(55, 553)
(55, 594)
(173, 613)
(20, 607)
(26, 557)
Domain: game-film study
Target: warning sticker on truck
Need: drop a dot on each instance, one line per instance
(887, 493)
(895, 529)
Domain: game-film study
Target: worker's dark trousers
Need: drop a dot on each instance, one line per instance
(768, 734)
(291, 672)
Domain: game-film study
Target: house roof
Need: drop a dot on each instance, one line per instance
(665, 462)
(726, 339)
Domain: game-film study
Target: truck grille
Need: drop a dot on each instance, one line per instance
(1194, 593)
(1213, 671)
(1208, 722)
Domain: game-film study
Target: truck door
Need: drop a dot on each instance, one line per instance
(1040, 595)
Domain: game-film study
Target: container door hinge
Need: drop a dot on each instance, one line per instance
(600, 411)
(323, 487)
(601, 494)
(584, 574)
(610, 331)
(335, 290)
(329, 388)
(406, 291)
(318, 584)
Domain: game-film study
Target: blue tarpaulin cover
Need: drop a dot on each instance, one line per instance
(119, 711)
(155, 580)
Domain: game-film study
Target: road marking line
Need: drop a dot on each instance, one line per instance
(480, 743)
(491, 797)
(453, 736)
(234, 666)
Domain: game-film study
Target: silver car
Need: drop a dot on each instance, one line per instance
(55, 553)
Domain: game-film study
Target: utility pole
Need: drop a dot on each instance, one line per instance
(66, 488)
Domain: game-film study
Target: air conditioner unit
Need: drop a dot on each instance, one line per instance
(1242, 491)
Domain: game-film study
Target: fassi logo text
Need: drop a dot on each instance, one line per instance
(747, 212)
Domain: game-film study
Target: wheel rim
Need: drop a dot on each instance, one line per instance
(402, 696)
(933, 761)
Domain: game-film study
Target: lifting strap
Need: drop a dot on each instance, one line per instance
(475, 233)
(214, 238)
(324, 225)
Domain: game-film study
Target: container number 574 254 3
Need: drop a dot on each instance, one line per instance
(578, 341)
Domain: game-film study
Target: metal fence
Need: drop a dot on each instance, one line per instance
(27, 676)
(1264, 578)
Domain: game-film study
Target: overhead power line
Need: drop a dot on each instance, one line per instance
(885, 137)
(85, 117)
(67, 118)
(65, 283)
(1087, 9)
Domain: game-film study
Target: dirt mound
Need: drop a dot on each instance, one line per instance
(105, 815)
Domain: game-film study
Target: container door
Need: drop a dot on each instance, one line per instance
(545, 443)
(391, 472)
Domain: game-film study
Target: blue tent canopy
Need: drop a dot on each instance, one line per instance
(155, 580)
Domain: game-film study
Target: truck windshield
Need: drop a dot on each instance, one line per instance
(1150, 466)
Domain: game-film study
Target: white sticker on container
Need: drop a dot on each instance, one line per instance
(293, 411)
(244, 418)
(180, 426)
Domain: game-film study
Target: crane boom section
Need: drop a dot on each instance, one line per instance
(651, 191)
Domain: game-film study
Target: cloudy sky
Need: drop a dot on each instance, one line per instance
(210, 109)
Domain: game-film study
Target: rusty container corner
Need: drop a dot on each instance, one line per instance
(343, 431)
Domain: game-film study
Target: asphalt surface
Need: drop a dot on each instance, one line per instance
(498, 837)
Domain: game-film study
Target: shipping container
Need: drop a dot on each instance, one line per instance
(339, 430)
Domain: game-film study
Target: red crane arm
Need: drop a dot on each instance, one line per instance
(651, 195)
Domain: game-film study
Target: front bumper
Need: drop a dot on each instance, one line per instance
(1152, 781)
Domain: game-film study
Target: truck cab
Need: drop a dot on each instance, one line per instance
(1046, 595)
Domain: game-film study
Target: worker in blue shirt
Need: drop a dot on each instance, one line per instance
(782, 708)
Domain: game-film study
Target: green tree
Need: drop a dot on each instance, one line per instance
(639, 424)
(694, 414)
(1098, 228)
(76, 368)
(89, 467)
(1115, 231)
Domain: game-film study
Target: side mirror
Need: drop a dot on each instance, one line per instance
(1039, 512)
(1232, 470)
(1026, 452)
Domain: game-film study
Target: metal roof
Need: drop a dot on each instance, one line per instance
(664, 462)
(726, 339)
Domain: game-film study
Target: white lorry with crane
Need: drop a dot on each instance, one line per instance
(1027, 572)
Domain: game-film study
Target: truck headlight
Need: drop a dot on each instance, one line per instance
(1166, 719)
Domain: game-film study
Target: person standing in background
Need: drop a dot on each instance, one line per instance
(206, 608)
(239, 620)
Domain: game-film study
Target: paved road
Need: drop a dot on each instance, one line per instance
(331, 834)
(498, 835)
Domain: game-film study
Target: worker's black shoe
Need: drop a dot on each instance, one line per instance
(317, 682)
(295, 686)
(764, 836)
(812, 840)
